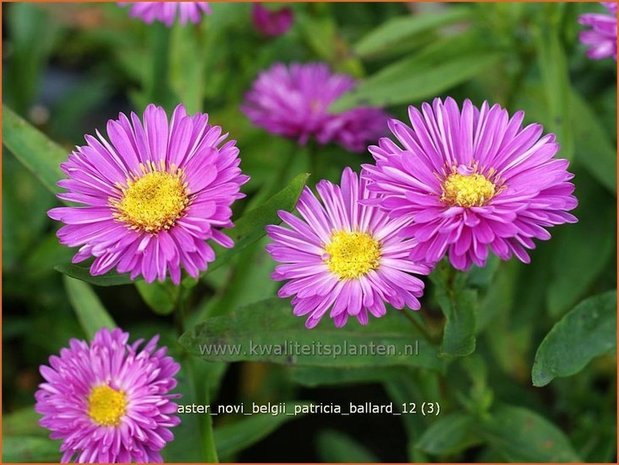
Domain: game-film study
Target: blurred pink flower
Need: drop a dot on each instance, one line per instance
(602, 37)
(166, 12)
(271, 23)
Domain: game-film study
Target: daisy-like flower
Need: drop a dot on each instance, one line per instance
(151, 196)
(271, 23)
(293, 101)
(344, 257)
(109, 401)
(166, 12)
(472, 181)
(602, 37)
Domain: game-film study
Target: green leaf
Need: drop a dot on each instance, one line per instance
(449, 434)
(83, 274)
(321, 376)
(33, 149)
(336, 447)
(187, 73)
(394, 31)
(234, 437)
(585, 332)
(268, 331)
(459, 306)
(554, 71)
(250, 227)
(90, 312)
(594, 148)
(29, 449)
(416, 81)
(521, 435)
(160, 297)
(591, 245)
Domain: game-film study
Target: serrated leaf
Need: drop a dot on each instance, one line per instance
(267, 331)
(33, 149)
(90, 312)
(585, 332)
(251, 226)
(392, 32)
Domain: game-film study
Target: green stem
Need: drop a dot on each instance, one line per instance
(424, 332)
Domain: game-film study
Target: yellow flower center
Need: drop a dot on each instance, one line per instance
(352, 254)
(472, 190)
(106, 406)
(154, 201)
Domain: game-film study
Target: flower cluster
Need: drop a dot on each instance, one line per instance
(293, 101)
(602, 37)
(109, 401)
(461, 182)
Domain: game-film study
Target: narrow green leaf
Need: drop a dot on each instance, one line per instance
(594, 148)
(585, 332)
(449, 434)
(83, 274)
(459, 306)
(160, 297)
(234, 437)
(417, 83)
(33, 149)
(336, 447)
(250, 227)
(29, 449)
(521, 435)
(90, 312)
(187, 73)
(394, 31)
(267, 331)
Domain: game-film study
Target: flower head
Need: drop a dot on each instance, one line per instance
(109, 401)
(473, 181)
(271, 23)
(602, 37)
(344, 257)
(151, 196)
(293, 101)
(166, 12)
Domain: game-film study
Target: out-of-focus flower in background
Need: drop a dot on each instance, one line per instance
(293, 101)
(473, 180)
(344, 258)
(152, 196)
(167, 12)
(271, 23)
(601, 38)
(109, 401)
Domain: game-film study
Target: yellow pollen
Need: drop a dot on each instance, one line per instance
(473, 190)
(352, 254)
(106, 406)
(153, 201)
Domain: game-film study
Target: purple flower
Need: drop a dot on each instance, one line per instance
(473, 181)
(293, 101)
(109, 401)
(344, 257)
(151, 196)
(602, 37)
(271, 23)
(166, 12)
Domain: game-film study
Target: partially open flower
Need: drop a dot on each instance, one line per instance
(271, 23)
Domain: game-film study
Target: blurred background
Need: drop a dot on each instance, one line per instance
(68, 68)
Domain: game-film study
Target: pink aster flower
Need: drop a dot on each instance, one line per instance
(473, 180)
(602, 37)
(166, 12)
(344, 257)
(109, 401)
(293, 101)
(151, 196)
(271, 23)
